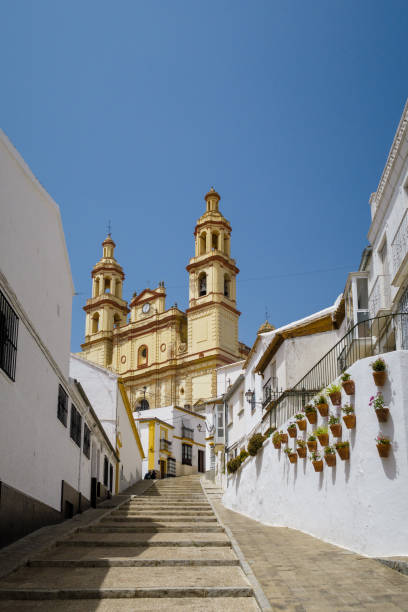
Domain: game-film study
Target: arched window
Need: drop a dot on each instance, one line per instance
(96, 287)
(142, 355)
(214, 240)
(95, 323)
(227, 286)
(107, 285)
(116, 321)
(202, 243)
(226, 244)
(202, 284)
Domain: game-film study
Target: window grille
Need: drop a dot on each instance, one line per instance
(171, 466)
(8, 338)
(76, 422)
(110, 477)
(187, 454)
(105, 470)
(62, 411)
(87, 441)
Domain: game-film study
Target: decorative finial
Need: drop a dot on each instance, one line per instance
(109, 227)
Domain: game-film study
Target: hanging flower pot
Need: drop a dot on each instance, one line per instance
(311, 414)
(349, 416)
(317, 461)
(292, 431)
(322, 434)
(283, 437)
(379, 371)
(301, 451)
(276, 441)
(312, 443)
(334, 392)
(291, 454)
(377, 402)
(348, 385)
(383, 445)
(343, 449)
(335, 426)
(382, 414)
(302, 425)
(330, 456)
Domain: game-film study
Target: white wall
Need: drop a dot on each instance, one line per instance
(361, 503)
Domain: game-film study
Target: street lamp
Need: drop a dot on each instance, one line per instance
(249, 396)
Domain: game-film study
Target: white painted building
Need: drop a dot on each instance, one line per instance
(173, 440)
(108, 397)
(40, 462)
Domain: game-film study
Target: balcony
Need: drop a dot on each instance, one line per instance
(399, 252)
(380, 295)
(270, 392)
(165, 445)
(187, 432)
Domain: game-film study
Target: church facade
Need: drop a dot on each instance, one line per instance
(167, 356)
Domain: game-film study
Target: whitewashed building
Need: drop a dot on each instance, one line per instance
(173, 439)
(44, 475)
(108, 396)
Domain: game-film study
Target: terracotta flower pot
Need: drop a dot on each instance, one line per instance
(350, 420)
(380, 378)
(318, 466)
(293, 457)
(292, 432)
(311, 417)
(302, 425)
(323, 409)
(383, 449)
(323, 439)
(277, 443)
(382, 414)
(349, 387)
(330, 460)
(335, 398)
(284, 438)
(336, 430)
(312, 445)
(344, 452)
(301, 451)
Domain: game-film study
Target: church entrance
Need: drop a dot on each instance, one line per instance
(162, 468)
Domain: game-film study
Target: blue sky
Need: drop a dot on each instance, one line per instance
(131, 110)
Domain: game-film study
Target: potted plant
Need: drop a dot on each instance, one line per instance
(330, 456)
(276, 440)
(317, 461)
(335, 426)
(255, 443)
(233, 465)
(334, 392)
(379, 371)
(311, 414)
(322, 405)
(323, 434)
(383, 445)
(301, 421)
(348, 384)
(343, 448)
(269, 432)
(377, 402)
(243, 455)
(291, 454)
(292, 430)
(283, 437)
(301, 448)
(312, 443)
(349, 416)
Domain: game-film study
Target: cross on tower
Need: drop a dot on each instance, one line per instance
(109, 227)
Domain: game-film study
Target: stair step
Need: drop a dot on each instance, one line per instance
(132, 562)
(139, 553)
(159, 520)
(143, 604)
(144, 543)
(151, 528)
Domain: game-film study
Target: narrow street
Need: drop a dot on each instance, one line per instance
(164, 549)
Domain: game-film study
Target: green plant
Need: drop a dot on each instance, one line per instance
(345, 376)
(376, 401)
(348, 409)
(322, 399)
(321, 431)
(380, 439)
(255, 443)
(329, 450)
(233, 465)
(243, 455)
(343, 444)
(276, 436)
(333, 420)
(311, 438)
(269, 432)
(315, 456)
(378, 365)
(333, 389)
(309, 408)
(291, 425)
(289, 451)
(300, 442)
(300, 416)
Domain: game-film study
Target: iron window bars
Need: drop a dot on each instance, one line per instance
(75, 426)
(8, 338)
(62, 410)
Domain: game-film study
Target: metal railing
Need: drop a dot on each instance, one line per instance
(187, 432)
(165, 445)
(399, 246)
(382, 335)
(380, 295)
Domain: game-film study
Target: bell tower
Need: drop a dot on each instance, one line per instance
(105, 310)
(212, 314)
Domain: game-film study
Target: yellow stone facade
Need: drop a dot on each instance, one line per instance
(168, 356)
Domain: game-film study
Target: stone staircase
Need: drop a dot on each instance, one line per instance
(162, 549)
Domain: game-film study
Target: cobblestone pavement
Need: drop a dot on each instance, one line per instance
(299, 573)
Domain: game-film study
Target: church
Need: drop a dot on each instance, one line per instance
(167, 356)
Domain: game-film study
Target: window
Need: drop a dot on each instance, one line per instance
(87, 441)
(202, 244)
(76, 422)
(187, 454)
(214, 241)
(110, 477)
(95, 323)
(8, 338)
(105, 470)
(202, 284)
(227, 285)
(62, 411)
(142, 356)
